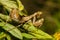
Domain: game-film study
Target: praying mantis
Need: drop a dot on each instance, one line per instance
(14, 15)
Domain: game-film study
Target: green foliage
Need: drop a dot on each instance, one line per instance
(10, 30)
(36, 32)
(29, 36)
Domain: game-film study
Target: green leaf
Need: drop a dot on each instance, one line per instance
(39, 33)
(8, 37)
(21, 7)
(27, 35)
(2, 35)
(8, 3)
(5, 17)
(39, 36)
(11, 29)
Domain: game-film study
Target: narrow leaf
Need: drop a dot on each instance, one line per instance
(8, 3)
(8, 37)
(29, 26)
(21, 7)
(27, 35)
(11, 29)
(5, 17)
(2, 35)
